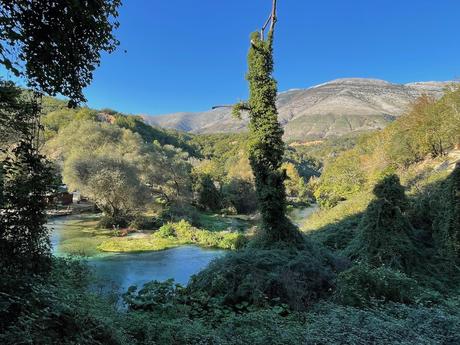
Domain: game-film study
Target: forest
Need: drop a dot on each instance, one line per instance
(352, 240)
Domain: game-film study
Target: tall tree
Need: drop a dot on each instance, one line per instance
(56, 44)
(266, 146)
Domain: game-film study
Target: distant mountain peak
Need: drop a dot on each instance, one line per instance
(333, 108)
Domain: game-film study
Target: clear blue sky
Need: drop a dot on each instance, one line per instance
(187, 55)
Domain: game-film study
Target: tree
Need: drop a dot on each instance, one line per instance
(56, 44)
(266, 146)
(385, 236)
(295, 185)
(167, 172)
(109, 180)
(208, 196)
(240, 195)
(26, 179)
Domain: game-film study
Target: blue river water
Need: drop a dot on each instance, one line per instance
(121, 270)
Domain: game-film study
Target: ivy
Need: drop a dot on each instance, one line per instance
(266, 146)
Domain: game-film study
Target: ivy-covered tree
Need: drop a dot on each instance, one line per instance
(266, 146)
(385, 237)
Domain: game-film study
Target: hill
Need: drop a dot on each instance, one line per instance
(327, 110)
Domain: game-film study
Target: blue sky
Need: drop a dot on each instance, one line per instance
(187, 55)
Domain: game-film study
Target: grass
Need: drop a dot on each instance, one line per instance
(126, 244)
(216, 222)
(173, 235)
(79, 236)
(324, 217)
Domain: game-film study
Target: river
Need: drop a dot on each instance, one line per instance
(121, 270)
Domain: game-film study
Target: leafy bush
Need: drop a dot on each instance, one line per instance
(209, 197)
(446, 225)
(241, 195)
(55, 309)
(340, 180)
(180, 211)
(261, 277)
(361, 285)
(184, 232)
(385, 236)
(166, 231)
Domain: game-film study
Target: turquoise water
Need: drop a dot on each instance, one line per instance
(124, 270)
(121, 270)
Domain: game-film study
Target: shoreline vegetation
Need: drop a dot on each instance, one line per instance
(86, 238)
(82, 235)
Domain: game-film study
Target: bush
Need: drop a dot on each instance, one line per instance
(180, 211)
(241, 195)
(166, 231)
(55, 309)
(184, 232)
(109, 222)
(446, 225)
(361, 285)
(263, 277)
(385, 236)
(209, 197)
(141, 222)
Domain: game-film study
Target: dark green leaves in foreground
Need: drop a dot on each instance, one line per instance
(56, 44)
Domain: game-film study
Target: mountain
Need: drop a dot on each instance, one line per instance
(331, 109)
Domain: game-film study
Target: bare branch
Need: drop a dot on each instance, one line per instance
(273, 16)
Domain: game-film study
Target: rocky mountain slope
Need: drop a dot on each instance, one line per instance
(331, 109)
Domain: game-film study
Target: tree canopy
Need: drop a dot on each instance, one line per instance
(56, 45)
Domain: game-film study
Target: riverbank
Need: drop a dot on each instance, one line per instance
(79, 235)
(173, 235)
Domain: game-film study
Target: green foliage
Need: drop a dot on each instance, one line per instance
(442, 206)
(117, 170)
(110, 181)
(27, 179)
(209, 197)
(266, 277)
(362, 285)
(171, 235)
(340, 180)
(240, 195)
(385, 235)
(56, 45)
(55, 120)
(55, 309)
(266, 147)
(186, 233)
(180, 211)
(150, 134)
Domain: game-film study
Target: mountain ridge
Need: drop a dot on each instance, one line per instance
(333, 108)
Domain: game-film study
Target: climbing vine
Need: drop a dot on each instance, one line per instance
(266, 146)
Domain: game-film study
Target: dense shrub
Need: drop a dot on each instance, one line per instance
(55, 309)
(385, 235)
(180, 211)
(446, 225)
(208, 196)
(240, 195)
(259, 277)
(341, 179)
(184, 232)
(361, 285)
